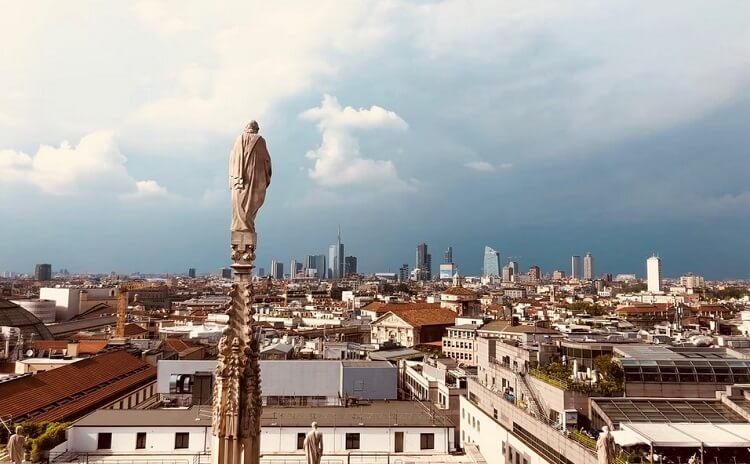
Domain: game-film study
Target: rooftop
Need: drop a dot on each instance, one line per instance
(666, 410)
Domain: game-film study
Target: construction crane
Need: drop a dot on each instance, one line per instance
(122, 303)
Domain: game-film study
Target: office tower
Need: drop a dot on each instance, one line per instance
(295, 268)
(403, 273)
(261, 272)
(588, 266)
(191, 273)
(336, 259)
(653, 274)
(535, 273)
(558, 275)
(277, 269)
(43, 272)
(447, 271)
(424, 262)
(575, 267)
(448, 256)
(491, 265)
(332, 261)
(513, 265)
(350, 266)
(691, 281)
(226, 272)
(316, 263)
(507, 273)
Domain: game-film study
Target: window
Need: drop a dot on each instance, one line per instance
(181, 440)
(426, 441)
(104, 441)
(352, 441)
(300, 440)
(140, 440)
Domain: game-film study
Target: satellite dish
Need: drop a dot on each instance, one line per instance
(29, 353)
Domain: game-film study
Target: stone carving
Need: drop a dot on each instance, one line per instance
(605, 447)
(237, 400)
(16, 444)
(313, 445)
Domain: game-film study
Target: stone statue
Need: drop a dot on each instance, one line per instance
(249, 177)
(16, 445)
(605, 447)
(313, 445)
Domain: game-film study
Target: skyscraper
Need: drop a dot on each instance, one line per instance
(588, 266)
(653, 274)
(491, 265)
(424, 262)
(403, 273)
(294, 268)
(535, 274)
(575, 267)
(350, 266)
(336, 259)
(507, 273)
(448, 256)
(318, 263)
(43, 272)
(226, 272)
(513, 265)
(277, 269)
(191, 273)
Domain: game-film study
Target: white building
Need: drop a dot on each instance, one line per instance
(588, 266)
(653, 274)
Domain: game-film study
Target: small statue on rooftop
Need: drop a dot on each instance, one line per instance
(16, 444)
(605, 447)
(313, 445)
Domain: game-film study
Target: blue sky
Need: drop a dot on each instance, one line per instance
(543, 129)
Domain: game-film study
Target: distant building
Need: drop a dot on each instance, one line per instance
(318, 264)
(575, 267)
(691, 281)
(336, 259)
(558, 274)
(653, 274)
(513, 265)
(507, 273)
(226, 272)
(448, 256)
(535, 273)
(403, 273)
(295, 268)
(191, 273)
(261, 272)
(491, 262)
(424, 262)
(43, 272)
(447, 270)
(277, 269)
(588, 267)
(350, 266)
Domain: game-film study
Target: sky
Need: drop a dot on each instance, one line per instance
(542, 129)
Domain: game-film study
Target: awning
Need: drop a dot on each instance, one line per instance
(685, 435)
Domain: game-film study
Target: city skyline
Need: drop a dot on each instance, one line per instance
(503, 149)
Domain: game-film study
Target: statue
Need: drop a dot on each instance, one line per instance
(605, 447)
(249, 177)
(16, 445)
(237, 404)
(313, 445)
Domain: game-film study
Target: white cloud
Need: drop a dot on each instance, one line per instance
(94, 165)
(339, 160)
(484, 166)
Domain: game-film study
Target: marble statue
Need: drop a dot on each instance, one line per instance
(313, 445)
(249, 178)
(605, 447)
(16, 445)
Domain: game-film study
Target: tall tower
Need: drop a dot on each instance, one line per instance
(575, 267)
(491, 264)
(448, 256)
(340, 256)
(653, 274)
(424, 262)
(588, 266)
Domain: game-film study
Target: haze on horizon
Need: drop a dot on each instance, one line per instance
(540, 129)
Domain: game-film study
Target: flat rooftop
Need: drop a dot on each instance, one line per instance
(376, 414)
(666, 410)
(670, 353)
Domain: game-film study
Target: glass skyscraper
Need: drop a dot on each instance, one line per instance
(491, 262)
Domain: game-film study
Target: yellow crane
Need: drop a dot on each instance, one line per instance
(122, 303)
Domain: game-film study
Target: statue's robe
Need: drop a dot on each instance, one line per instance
(249, 177)
(313, 446)
(605, 448)
(15, 447)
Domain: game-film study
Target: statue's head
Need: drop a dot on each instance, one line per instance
(252, 127)
(605, 430)
(314, 425)
(19, 429)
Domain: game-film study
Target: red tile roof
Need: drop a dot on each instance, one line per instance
(74, 390)
(381, 308)
(460, 291)
(84, 346)
(433, 315)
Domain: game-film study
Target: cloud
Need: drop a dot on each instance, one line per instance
(94, 166)
(484, 166)
(339, 160)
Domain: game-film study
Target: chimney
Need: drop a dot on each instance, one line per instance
(72, 350)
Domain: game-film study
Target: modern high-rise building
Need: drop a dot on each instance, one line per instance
(448, 256)
(318, 264)
(43, 272)
(350, 266)
(653, 274)
(424, 262)
(513, 265)
(336, 259)
(588, 266)
(403, 273)
(507, 273)
(226, 272)
(535, 273)
(261, 272)
(447, 271)
(491, 266)
(191, 273)
(295, 268)
(575, 267)
(558, 274)
(277, 269)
